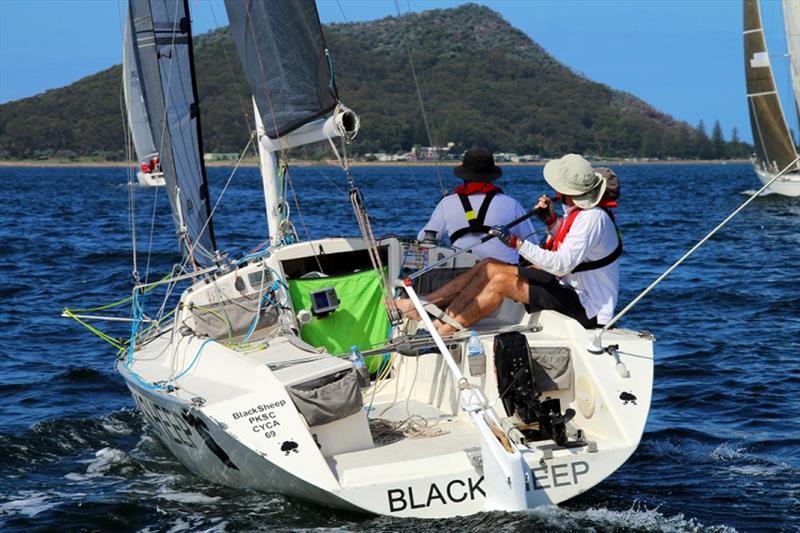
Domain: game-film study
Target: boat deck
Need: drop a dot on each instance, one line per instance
(436, 443)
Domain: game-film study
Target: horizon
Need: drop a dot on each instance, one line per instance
(684, 58)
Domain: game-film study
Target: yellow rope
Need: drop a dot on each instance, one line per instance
(148, 288)
(109, 339)
(210, 311)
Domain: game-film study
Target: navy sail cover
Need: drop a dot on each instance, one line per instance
(283, 53)
(162, 42)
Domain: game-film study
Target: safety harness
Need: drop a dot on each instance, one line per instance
(476, 222)
(553, 243)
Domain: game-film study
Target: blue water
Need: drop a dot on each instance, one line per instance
(721, 449)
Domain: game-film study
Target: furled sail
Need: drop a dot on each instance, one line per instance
(774, 147)
(282, 50)
(137, 115)
(162, 43)
(791, 16)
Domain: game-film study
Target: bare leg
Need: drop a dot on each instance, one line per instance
(478, 301)
(447, 293)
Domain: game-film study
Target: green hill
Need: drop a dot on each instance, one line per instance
(483, 82)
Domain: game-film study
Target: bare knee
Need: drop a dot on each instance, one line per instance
(495, 268)
(506, 285)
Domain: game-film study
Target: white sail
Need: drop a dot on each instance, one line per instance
(791, 16)
(134, 103)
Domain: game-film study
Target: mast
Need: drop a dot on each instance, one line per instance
(290, 73)
(773, 141)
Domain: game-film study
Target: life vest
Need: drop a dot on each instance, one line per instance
(476, 222)
(552, 244)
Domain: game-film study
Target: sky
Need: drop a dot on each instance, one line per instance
(684, 57)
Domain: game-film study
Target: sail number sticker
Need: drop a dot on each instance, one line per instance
(262, 418)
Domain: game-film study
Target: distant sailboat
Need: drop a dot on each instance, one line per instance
(775, 148)
(149, 169)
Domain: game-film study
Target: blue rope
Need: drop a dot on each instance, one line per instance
(255, 255)
(196, 357)
(136, 323)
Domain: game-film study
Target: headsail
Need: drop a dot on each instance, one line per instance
(774, 147)
(162, 43)
(791, 16)
(283, 53)
(137, 115)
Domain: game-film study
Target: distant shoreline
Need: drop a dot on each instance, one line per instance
(331, 162)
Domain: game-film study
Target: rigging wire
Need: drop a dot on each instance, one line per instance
(421, 100)
(234, 78)
(197, 272)
(356, 200)
(131, 184)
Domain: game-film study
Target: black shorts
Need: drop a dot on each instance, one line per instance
(546, 293)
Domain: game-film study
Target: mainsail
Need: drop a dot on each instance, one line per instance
(137, 115)
(774, 146)
(791, 16)
(283, 53)
(162, 44)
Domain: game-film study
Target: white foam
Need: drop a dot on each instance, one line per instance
(104, 460)
(190, 524)
(726, 452)
(187, 497)
(116, 427)
(27, 503)
(635, 519)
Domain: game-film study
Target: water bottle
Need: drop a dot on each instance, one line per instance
(475, 355)
(358, 361)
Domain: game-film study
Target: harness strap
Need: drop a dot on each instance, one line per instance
(610, 258)
(476, 222)
(552, 244)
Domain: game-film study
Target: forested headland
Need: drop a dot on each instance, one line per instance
(482, 81)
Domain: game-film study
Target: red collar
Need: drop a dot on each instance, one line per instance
(475, 187)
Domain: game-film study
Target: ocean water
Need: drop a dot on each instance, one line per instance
(721, 450)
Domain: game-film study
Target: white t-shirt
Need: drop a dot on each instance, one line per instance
(449, 217)
(591, 237)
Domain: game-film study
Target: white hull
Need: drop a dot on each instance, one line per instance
(230, 418)
(786, 185)
(150, 179)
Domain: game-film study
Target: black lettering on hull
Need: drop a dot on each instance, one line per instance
(455, 491)
(202, 429)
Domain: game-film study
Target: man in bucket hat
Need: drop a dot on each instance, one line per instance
(577, 274)
(476, 206)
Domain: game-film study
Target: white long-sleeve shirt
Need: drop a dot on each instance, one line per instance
(449, 217)
(592, 236)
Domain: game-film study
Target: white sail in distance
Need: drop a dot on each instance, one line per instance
(791, 16)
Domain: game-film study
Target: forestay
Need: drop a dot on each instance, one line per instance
(774, 147)
(283, 54)
(162, 44)
(137, 115)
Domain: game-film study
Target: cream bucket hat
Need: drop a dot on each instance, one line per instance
(574, 176)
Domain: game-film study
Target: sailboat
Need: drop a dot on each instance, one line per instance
(148, 172)
(275, 371)
(775, 148)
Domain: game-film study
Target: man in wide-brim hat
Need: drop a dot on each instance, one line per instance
(576, 273)
(469, 213)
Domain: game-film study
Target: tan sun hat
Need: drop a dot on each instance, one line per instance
(574, 176)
